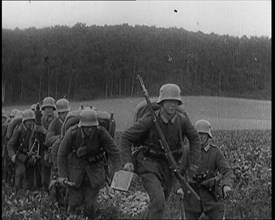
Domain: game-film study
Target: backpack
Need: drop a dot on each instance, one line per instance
(105, 119)
(142, 109)
(15, 122)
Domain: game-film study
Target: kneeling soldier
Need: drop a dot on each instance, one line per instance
(80, 160)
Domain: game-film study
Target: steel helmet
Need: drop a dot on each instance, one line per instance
(48, 102)
(88, 117)
(33, 107)
(13, 112)
(28, 114)
(169, 92)
(62, 105)
(204, 126)
(19, 114)
(4, 115)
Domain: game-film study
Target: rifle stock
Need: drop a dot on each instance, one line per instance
(173, 164)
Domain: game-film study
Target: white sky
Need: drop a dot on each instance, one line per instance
(235, 18)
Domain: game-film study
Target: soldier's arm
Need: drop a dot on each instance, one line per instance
(112, 149)
(224, 168)
(192, 135)
(132, 135)
(62, 155)
(52, 135)
(13, 143)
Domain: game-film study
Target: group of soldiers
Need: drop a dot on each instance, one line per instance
(35, 152)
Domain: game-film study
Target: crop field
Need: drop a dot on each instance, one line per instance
(242, 128)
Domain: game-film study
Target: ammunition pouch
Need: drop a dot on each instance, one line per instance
(154, 153)
(82, 152)
(95, 158)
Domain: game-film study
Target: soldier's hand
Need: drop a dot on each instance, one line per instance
(40, 129)
(13, 158)
(180, 193)
(191, 171)
(62, 180)
(129, 167)
(226, 191)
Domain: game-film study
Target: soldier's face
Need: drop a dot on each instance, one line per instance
(89, 131)
(62, 115)
(203, 138)
(170, 107)
(49, 111)
(29, 124)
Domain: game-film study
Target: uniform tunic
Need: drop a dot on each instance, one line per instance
(156, 176)
(213, 160)
(45, 161)
(54, 131)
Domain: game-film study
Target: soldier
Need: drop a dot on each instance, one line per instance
(48, 106)
(213, 180)
(81, 160)
(10, 125)
(54, 131)
(150, 161)
(18, 149)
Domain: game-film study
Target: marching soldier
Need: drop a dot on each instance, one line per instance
(11, 124)
(213, 180)
(150, 162)
(18, 149)
(81, 161)
(54, 130)
(53, 141)
(48, 106)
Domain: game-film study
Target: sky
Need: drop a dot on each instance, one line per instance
(235, 18)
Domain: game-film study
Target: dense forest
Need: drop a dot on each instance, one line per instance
(87, 62)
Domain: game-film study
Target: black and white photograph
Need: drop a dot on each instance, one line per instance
(136, 110)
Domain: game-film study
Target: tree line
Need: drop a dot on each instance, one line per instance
(87, 62)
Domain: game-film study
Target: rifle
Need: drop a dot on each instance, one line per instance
(65, 182)
(106, 167)
(164, 145)
(35, 149)
(212, 184)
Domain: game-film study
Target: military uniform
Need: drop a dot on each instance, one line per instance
(211, 203)
(23, 170)
(150, 162)
(53, 135)
(87, 171)
(45, 155)
(54, 131)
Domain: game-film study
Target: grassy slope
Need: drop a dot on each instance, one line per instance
(223, 113)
